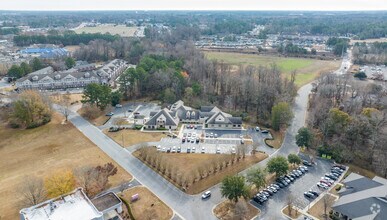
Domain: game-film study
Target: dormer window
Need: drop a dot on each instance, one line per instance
(187, 115)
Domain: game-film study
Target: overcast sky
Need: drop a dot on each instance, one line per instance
(317, 5)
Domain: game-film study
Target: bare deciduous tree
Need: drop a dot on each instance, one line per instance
(32, 191)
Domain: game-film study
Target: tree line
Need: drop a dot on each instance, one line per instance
(348, 119)
(68, 38)
(370, 53)
(18, 71)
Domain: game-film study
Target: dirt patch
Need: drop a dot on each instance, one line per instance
(194, 173)
(294, 213)
(317, 210)
(41, 152)
(227, 210)
(130, 137)
(148, 206)
(278, 138)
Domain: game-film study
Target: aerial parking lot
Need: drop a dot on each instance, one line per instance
(307, 182)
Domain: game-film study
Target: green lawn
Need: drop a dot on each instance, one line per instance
(307, 69)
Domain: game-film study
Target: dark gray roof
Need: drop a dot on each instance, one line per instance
(235, 120)
(169, 120)
(360, 195)
(187, 114)
(206, 114)
(206, 108)
(358, 185)
(106, 201)
(58, 75)
(363, 208)
(151, 114)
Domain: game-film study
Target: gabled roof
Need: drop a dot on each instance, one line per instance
(360, 195)
(169, 120)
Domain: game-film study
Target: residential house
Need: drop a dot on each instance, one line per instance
(75, 206)
(362, 198)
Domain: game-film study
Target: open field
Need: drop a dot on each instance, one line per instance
(132, 137)
(121, 30)
(187, 166)
(41, 152)
(369, 40)
(148, 206)
(225, 211)
(307, 69)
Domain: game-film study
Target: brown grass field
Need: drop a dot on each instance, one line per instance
(224, 211)
(132, 137)
(121, 30)
(306, 69)
(148, 206)
(40, 152)
(189, 163)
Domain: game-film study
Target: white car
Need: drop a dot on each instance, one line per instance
(173, 149)
(203, 150)
(218, 150)
(164, 149)
(206, 195)
(233, 151)
(118, 106)
(158, 147)
(322, 185)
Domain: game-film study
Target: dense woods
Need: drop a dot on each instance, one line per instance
(349, 119)
(373, 53)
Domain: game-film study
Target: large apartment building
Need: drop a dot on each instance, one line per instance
(77, 77)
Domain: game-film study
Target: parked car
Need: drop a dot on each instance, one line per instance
(118, 106)
(305, 168)
(192, 140)
(233, 151)
(268, 190)
(280, 184)
(130, 110)
(309, 195)
(173, 149)
(259, 199)
(168, 150)
(327, 179)
(275, 186)
(265, 131)
(293, 176)
(306, 163)
(203, 150)
(183, 140)
(265, 193)
(289, 177)
(206, 195)
(207, 135)
(158, 148)
(273, 189)
(218, 150)
(109, 114)
(114, 129)
(193, 149)
(197, 140)
(326, 182)
(211, 135)
(314, 193)
(188, 150)
(178, 149)
(164, 149)
(257, 128)
(322, 185)
(215, 135)
(242, 141)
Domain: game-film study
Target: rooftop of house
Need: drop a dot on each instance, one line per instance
(363, 197)
(72, 206)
